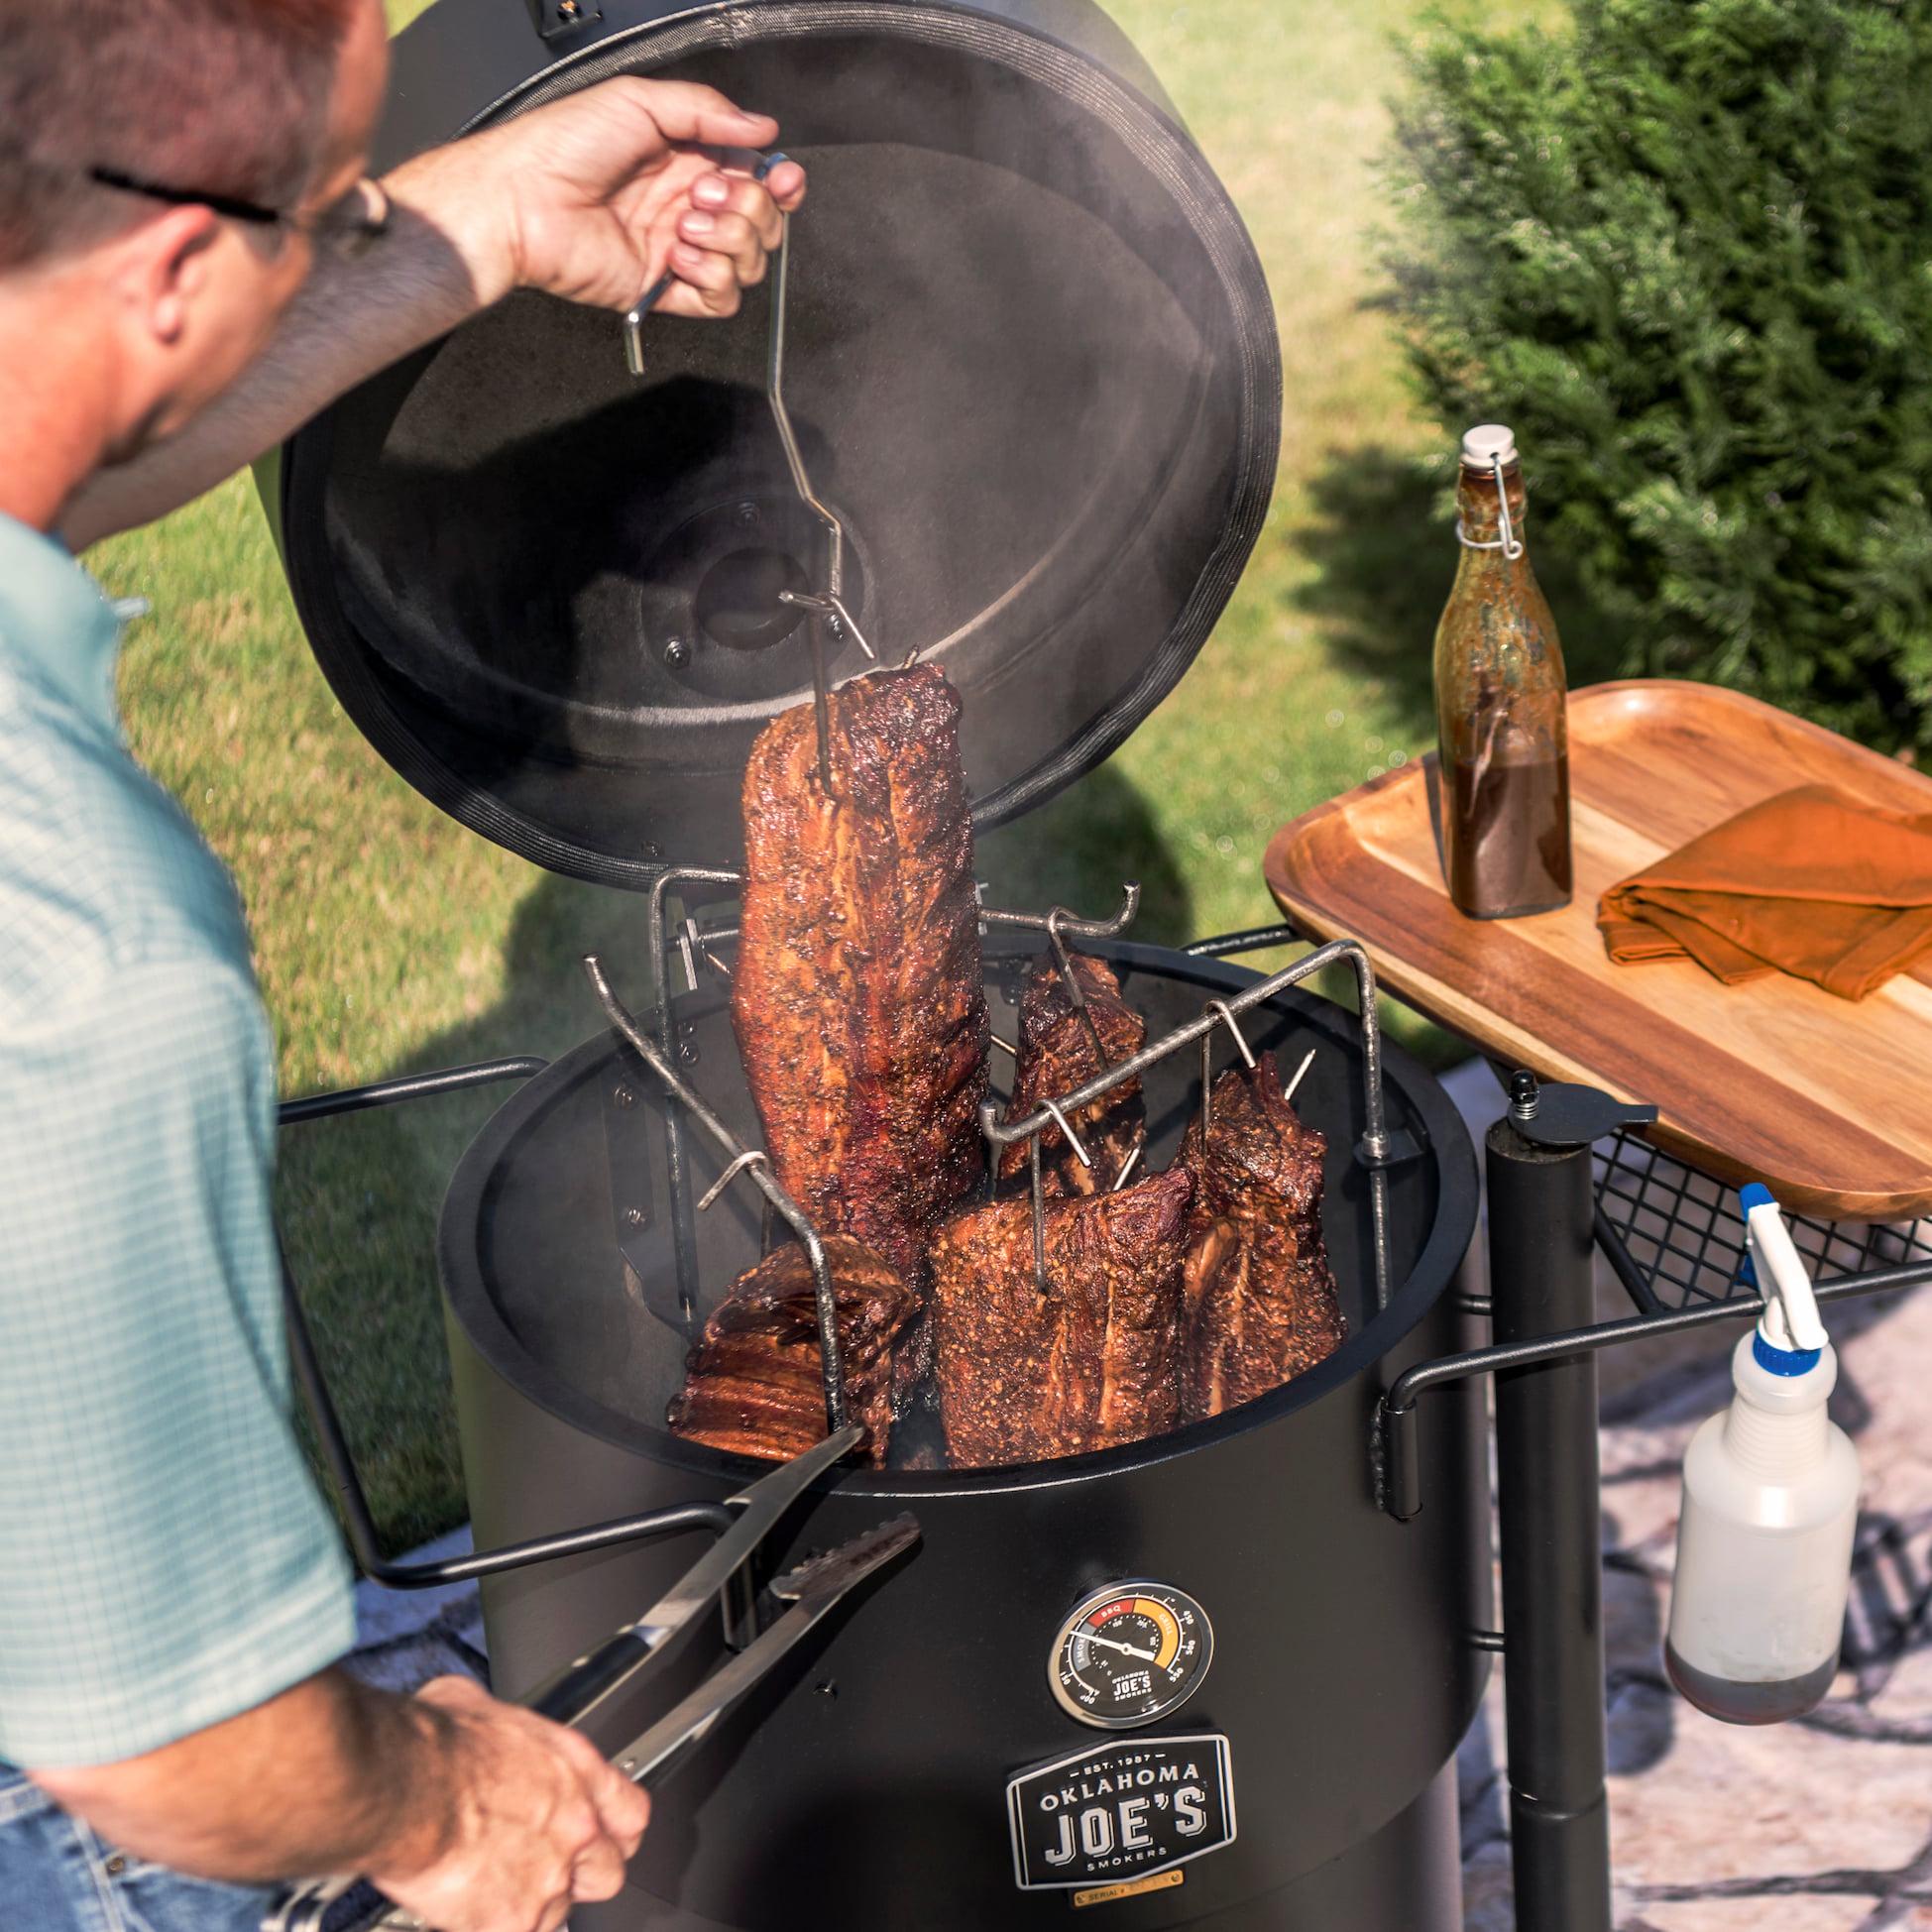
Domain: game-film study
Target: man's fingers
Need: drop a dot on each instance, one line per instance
(786, 186)
(623, 1810)
(711, 278)
(684, 110)
(738, 194)
(731, 236)
(598, 1872)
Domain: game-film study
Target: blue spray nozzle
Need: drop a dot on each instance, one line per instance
(1789, 1324)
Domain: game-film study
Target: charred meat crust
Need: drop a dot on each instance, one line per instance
(858, 997)
(755, 1383)
(1058, 1051)
(1095, 1361)
(1259, 1296)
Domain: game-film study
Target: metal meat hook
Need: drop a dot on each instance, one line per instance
(825, 609)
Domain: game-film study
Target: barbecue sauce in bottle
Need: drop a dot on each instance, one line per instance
(1500, 703)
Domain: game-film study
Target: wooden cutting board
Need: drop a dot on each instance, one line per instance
(1828, 1101)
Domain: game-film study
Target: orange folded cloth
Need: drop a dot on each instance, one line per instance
(1808, 883)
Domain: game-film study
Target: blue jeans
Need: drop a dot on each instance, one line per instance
(56, 1876)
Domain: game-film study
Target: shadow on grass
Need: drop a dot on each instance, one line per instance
(1384, 549)
(1079, 850)
(359, 1194)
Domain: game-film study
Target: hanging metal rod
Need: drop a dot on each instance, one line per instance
(677, 1160)
(1058, 921)
(1377, 1150)
(660, 1062)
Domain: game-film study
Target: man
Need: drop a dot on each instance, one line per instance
(191, 265)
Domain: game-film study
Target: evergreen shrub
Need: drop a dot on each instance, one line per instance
(1684, 247)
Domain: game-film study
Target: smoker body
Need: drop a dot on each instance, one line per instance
(865, 1787)
(1033, 369)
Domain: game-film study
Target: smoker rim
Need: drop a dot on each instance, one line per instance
(1149, 129)
(1445, 1139)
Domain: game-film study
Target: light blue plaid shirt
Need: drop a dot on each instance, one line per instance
(165, 1561)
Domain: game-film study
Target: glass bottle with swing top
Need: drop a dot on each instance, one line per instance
(1500, 703)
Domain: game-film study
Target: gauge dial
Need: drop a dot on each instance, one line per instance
(1130, 1653)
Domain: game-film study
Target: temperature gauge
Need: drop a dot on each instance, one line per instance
(1130, 1653)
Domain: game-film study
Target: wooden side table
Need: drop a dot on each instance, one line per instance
(1827, 1101)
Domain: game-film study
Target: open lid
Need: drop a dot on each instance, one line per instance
(1031, 362)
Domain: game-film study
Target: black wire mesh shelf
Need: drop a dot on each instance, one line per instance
(1676, 1237)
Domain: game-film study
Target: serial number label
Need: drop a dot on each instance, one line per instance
(1120, 1811)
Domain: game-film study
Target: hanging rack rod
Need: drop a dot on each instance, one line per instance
(1377, 1150)
(660, 1063)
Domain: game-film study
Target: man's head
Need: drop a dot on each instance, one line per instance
(116, 117)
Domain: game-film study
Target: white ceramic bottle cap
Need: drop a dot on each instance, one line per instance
(1482, 445)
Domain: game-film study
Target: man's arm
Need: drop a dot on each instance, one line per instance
(172, 1593)
(475, 1815)
(591, 198)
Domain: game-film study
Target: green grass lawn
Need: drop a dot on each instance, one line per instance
(388, 938)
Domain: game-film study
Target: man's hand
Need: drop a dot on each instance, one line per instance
(537, 1821)
(595, 196)
(590, 198)
(477, 1816)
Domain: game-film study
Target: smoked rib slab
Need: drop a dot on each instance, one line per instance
(858, 997)
(1095, 1361)
(755, 1383)
(1058, 1051)
(1259, 1296)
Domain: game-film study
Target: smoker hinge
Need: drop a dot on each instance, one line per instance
(553, 19)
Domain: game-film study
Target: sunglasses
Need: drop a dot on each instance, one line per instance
(345, 226)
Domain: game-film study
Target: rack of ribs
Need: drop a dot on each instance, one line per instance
(1259, 1298)
(858, 997)
(1060, 1047)
(755, 1383)
(1095, 1360)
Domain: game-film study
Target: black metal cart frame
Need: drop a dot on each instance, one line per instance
(1548, 1211)
(1568, 1175)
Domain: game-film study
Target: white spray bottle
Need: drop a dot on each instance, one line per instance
(1769, 1507)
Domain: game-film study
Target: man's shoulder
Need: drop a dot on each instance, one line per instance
(100, 870)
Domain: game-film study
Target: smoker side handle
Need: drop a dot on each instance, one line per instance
(360, 1524)
(1254, 939)
(406, 1087)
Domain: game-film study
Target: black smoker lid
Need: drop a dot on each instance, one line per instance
(1032, 366)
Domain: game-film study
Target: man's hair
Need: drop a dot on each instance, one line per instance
(224, 96)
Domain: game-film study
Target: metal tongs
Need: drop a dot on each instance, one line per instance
(825, 610)
(587, 1685)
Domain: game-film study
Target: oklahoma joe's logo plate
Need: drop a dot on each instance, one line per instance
(1120, 1810)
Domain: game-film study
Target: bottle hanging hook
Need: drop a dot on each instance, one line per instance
(1509, 542)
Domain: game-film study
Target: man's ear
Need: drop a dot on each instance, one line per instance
(166, 268)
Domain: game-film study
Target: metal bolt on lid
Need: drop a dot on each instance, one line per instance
(1488, 444)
